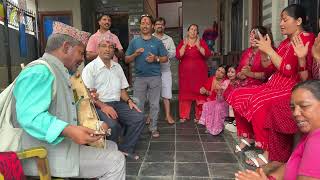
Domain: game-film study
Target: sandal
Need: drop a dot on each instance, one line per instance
(131, 156)
(245, 148)
(255, 161)
(155, 134)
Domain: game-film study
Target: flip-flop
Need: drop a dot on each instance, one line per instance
(246, 148)
(131, 156)
(255, 161)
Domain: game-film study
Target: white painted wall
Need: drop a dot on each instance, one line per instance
(200, 12)
(170, 11)
(63, 5)
(31, 5)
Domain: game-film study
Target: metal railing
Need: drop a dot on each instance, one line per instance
(16, 15)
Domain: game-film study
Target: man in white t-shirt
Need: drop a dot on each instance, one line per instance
(166, 77)
(114, 106)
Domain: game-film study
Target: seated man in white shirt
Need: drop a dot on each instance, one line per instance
(114, 106)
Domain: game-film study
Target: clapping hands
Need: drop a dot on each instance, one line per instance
(316, 49)
(300, 50)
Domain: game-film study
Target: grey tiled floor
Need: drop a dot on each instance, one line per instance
(183, 152)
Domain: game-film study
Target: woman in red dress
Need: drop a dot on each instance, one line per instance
(280, 123)
(252, 104)
(192, 53)
(253, 68)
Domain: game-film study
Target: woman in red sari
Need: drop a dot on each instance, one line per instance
(253, 68)
(192, 53)
(254, 103)
(279, 122)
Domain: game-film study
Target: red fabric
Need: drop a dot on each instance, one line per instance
(193, 71)
(253, 103)
(10, 166)
(185, 107)
(231, 87)
(256, 66)
(281, 129)
(209, 87)
(244, 128)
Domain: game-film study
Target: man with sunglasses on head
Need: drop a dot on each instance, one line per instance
(147, 52)
(104, 22)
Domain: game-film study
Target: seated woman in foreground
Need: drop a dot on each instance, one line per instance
(303, 162)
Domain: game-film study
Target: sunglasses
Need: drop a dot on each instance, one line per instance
(146, 15)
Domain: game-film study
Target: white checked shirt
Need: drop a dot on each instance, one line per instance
(171, 48)
(108, 82)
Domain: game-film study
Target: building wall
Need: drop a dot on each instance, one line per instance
(201, 12)
(63, 5)
(271, 17)
(14, 51)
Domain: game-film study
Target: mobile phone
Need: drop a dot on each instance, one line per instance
(256, 34)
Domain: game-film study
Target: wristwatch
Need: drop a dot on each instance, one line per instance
(158, 59)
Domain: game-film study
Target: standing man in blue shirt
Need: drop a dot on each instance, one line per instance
(147, 52)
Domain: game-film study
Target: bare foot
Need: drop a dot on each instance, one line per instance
(170, 119)
(148, 120)
(271, 166)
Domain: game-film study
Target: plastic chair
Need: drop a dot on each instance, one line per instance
(40, 153)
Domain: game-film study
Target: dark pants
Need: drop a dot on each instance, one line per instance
(129, 119)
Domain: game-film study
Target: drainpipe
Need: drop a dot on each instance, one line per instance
(36, 30)
(7, 42)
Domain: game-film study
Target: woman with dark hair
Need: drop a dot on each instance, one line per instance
(281, 129)
(253, 66)
(252, 104)
(303, 162)
(192, 53)
(253, 70)
(214, 108)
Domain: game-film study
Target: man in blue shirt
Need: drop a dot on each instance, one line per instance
(147, 52)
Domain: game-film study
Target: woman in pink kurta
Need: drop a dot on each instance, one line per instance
(214, 110)
(192, 54)
(304, 162)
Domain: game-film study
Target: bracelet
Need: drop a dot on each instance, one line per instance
(302, 68)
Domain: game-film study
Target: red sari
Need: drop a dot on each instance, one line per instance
(193, 73)
(280, 124)
(254, 103)
(256, 66)
(244, 128)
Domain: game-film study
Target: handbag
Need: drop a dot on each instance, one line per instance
(10, 136)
